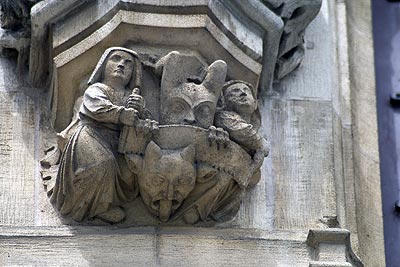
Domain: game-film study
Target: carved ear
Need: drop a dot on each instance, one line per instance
(205, 173)
(215, 78)
(188, 153)
(153, 151)
(168, 59)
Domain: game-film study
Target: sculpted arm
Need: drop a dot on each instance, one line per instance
(98, 106)
(245, 135)
(239, 130)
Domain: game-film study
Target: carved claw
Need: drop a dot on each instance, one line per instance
(147, 127)
(217, 136)
(154, 126)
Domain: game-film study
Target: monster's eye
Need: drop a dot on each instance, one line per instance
(177, 107)
(204, 110)
(158, 180)
(184, 181)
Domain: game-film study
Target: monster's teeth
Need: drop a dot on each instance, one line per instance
(165, 209)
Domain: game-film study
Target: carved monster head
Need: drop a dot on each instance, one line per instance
(184, 101)
(190, 104)
(168, 176)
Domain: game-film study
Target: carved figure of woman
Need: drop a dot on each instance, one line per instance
(92, 180)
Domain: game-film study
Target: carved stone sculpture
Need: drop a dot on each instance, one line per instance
(185, 100)
(166, 179)
(195, 166)
(239, 118)
(16, 13)
(297, 15)
(91, 181)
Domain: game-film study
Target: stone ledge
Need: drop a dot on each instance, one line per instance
(329, 264)
(7, 232)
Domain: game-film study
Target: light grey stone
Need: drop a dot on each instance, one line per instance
(115, 150)
(296, 14)
(299, 131)
(308, 181)
(365, 134)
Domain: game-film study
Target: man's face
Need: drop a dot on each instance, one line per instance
(190, 104)
(119, 67)
(239, 97)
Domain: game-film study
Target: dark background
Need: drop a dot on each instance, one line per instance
(386, 32)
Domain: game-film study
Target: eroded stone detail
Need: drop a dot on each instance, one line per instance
(15, 32)
(195, 165)
(166, 179)
(15, 14)
(296, 15)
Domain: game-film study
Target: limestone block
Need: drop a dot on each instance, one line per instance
(19, 140)
(151, 247)
(299, 131)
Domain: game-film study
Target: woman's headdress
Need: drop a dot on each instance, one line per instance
(136, 79)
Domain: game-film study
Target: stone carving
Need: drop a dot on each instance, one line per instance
(91, 181)
(239, 117)
(195, 166)
(185, 100)
(15, 14)
(15, 36)
(296, 15)
(166, 179)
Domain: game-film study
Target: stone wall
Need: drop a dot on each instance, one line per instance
(365, 134)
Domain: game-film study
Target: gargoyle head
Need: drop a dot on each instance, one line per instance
(189, 101)
(166, 179)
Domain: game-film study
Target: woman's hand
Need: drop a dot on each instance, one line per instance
(129, 116)
(136, 101)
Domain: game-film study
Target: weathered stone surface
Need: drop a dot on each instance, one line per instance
(152, 247)
(365, 135)
(310, 123)
(332, 248)
(18, 135)
(117, 153)
(298, 131)
(15, 14)
(319, 42)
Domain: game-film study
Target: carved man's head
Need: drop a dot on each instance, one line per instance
(118, 64)
(193, 103)
(239, 97)
(168, 176)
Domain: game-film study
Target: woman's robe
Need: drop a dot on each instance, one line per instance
(92, 175)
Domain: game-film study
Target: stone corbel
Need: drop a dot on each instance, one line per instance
(332, 248)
